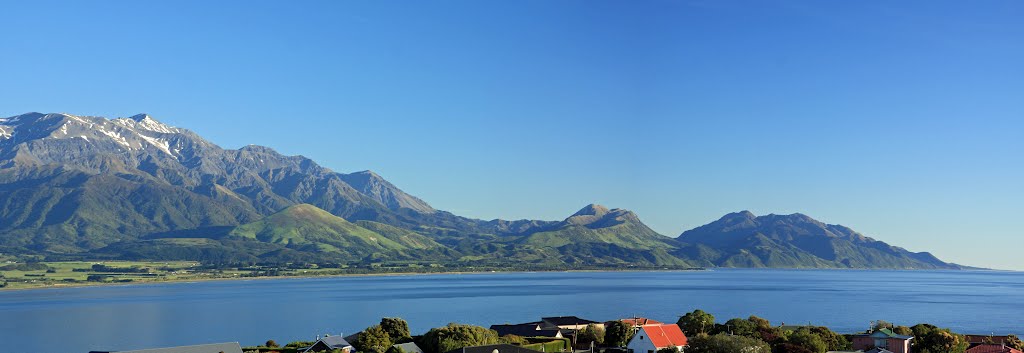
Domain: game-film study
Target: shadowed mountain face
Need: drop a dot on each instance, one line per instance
(744, 240)
(136, 188)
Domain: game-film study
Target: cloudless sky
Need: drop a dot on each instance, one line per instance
(901, 119)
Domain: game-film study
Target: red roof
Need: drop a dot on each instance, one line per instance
(640, 321)
(665, 335)
(992, 348)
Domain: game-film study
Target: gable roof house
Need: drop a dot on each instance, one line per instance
(640, 321)
(229, 347)
(330, 343)
(493, 348)
(409, 347)
(992, 348)
(567, 322)
(882, 338)
(651, 338)
(532, 329)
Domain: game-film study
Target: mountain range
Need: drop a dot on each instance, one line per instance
(135, 188)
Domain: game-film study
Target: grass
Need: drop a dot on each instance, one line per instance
(65, 274)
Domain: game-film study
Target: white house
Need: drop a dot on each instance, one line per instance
(651, 338)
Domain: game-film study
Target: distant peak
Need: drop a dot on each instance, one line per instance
(140, 117)
(592, 210)
(368, 173)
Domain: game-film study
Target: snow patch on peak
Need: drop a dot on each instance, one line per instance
(145, 122)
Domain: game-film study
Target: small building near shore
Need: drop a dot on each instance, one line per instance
(532, 329)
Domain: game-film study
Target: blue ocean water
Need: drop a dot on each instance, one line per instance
(251, 312)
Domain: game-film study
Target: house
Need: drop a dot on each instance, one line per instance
(986, 339)
(409, 347)
(532, 329)
(651, 338)
(567, 323)
(329, 343)
(640, 321)
(230, 347)
(493, 348)
(873, 350)
(992, 348)
(882, 338)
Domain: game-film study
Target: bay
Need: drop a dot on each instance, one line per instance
(251, 312)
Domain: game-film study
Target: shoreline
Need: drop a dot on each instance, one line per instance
(380, 274)
(394, 274)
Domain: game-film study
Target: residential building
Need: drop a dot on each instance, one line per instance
(567, 322)
(409, 347)
(330, 343)
(493, 348)
(992, 348)
(882, 338)
(640, 321)
(532, 329)
(651, 338)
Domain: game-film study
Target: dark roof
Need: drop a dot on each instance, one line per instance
(524, 330)
(500, 348)
(567, 320)
(230, 347)
(334, 342)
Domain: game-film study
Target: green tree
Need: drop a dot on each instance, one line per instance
(696, 322)
(807, 339)
(590, 334)
(759, 322)
(513, 339)
(617, 334)
(397, 329)
(741, 327)
(920, 330)
(880, 324)
(271, 344)
(903, 330)
(455, 336)
(724, 343)
(373, 339)
(1014, 342)
(941, 341)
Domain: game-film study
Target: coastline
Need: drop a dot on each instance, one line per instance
(379, 274)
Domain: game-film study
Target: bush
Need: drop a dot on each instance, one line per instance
(455, 336)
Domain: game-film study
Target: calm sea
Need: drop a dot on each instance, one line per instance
(138, 316)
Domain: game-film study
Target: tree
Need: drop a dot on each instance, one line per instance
(920, 330)
(759, 322)
(271, 344)
(903, 330)
(373, 339)
(724, 343)
(617, 334)
(741, 327)
(942, 341)
(1014, 342)
(696, 322)
(513, 339)
(588, 335)
(455, 336)
(791, 348)
(880, 324)
(807, 339)
(396, 328)
(833, 341)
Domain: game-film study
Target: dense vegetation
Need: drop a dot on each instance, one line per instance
(705, 333)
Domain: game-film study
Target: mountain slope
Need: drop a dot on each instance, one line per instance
(596, 234)
(743, 240)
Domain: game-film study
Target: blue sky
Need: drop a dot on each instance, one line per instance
(903, 120)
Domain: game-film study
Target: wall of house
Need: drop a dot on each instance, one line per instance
(641, 344)
(895, 345)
